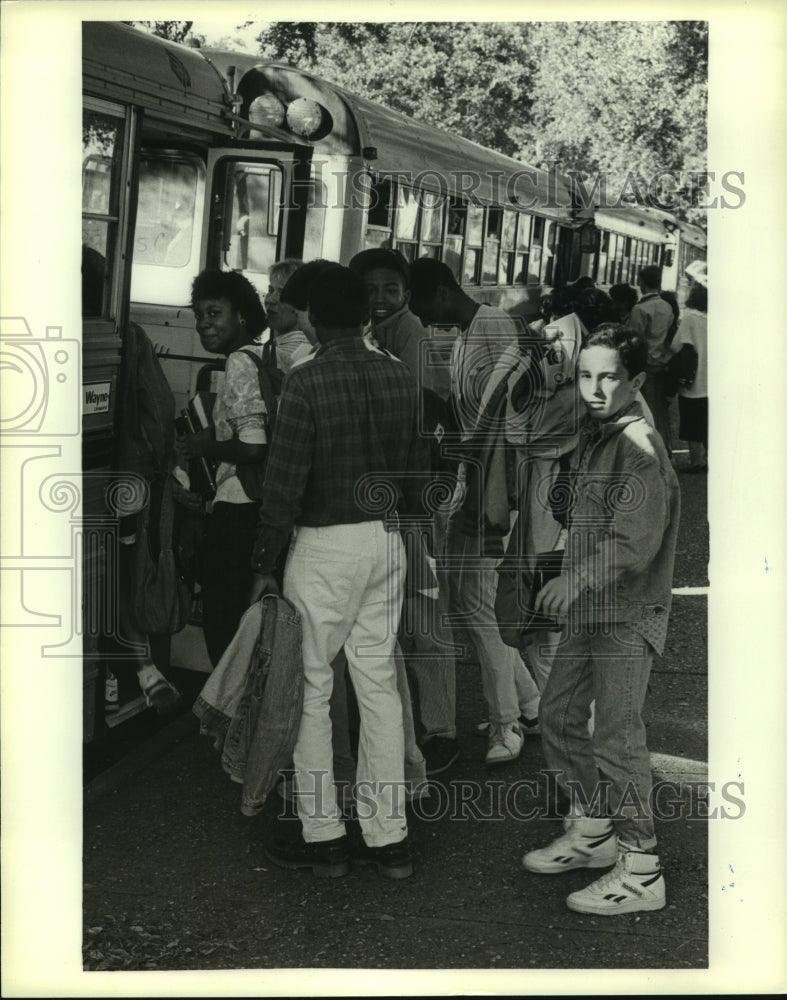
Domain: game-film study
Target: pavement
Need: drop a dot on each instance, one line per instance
(175, 878)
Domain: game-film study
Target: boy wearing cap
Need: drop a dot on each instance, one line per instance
(395, 328)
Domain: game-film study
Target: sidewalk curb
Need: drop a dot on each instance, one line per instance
(132, 763)
(679, 771)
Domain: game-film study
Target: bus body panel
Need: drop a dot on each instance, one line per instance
(122, 63)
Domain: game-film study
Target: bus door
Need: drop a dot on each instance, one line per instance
(257, 209)
(243, 209)
(168, 255)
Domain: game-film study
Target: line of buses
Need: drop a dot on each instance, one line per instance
(194, 158)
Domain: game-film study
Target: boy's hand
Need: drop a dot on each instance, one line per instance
(555, 598)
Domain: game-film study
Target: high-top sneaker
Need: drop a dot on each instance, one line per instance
(505, 742)
(586, 843)
(635, 883)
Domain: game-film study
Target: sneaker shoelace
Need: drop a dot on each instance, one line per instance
(495, 733)
(611, 876)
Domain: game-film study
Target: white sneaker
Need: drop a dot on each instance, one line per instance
(505, 742)
(635, 883)
(586, 843)
(530, 727)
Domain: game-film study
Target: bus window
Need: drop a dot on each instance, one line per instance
(432, 205)
(612, 278)
(601, 270)
(505, 274)
(102, 142)
(406, 222)
(475, 225)
(619, 254)
(254, 192)
(626, 260)
(524, 224)
(455, 236)
(506, 269)
(168, 228)
(494, 230)
(474, 238)
(536, 249)
(472, 266)
(378, 220)
(548, 275)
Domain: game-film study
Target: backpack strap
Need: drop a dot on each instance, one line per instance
(269, 353)
(167, 515)
(266, 388)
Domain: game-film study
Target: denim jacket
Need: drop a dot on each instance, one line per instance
(252, 703)
(624, 520)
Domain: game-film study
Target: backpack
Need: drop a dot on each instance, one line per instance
(145, 411)
(681, 370)
(252, 474)
(160, 595)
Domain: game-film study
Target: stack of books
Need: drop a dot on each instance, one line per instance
(197, 417)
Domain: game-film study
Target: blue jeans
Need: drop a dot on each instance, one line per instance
(655, 395)
(614, 670)
(507, 684)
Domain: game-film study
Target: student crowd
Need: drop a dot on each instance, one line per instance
(430, 459)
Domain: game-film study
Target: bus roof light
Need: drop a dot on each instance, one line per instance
(305, 117)
(267, 110)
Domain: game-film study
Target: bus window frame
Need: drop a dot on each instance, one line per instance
(115, 303)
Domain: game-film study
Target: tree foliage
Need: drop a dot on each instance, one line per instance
(629, 102)
(175, 31)
(467, 78)
(626, 100)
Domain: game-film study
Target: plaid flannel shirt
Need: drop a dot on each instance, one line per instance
(345, 446)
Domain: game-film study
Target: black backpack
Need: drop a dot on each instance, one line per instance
(252, 474)
(681, 370)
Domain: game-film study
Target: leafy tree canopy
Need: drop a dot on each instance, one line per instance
(175, 31)
(626, 100)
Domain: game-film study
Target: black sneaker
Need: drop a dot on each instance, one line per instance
(326, 858)
(440, 752)
(163, 696)
(392, 860)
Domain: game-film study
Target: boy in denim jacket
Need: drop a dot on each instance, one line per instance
(612, 598)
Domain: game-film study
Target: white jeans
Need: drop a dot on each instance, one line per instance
(347, 582)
